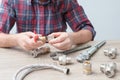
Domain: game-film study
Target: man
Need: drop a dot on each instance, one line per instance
(43, 17)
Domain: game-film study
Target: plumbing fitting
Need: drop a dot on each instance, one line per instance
(87, 67)
(43, 38)
(87, 54)
(64, 60)
(40, 51)
(108, 69)
(23, 72)
(110, 52)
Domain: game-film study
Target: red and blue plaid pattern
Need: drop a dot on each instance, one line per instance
(43, 17)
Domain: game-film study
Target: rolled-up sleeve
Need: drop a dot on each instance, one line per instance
(77, 19)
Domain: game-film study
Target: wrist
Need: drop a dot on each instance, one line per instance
(81, 36)
(12, 40)
(15, 38)
(72, 38)
(7, 40)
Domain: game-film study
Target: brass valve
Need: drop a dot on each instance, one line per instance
(43, 38)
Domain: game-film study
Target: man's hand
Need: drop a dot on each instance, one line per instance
(26, 41)
(63, 40)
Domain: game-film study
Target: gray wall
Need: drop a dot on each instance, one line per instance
(105, 17)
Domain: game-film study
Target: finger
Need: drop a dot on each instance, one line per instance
(58, 46)
(63, 45)
(38, 44)
(56, 34)
(30, 34)
(58, 39)
(35, 44)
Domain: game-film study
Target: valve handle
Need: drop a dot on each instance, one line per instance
(36, 38)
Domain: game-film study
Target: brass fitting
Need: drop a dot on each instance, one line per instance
(43, 38)
(87, 68)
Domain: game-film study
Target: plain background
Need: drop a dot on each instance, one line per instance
(105, 17)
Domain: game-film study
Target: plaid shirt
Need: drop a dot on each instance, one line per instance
(43, 17)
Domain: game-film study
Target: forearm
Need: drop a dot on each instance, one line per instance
(81, 36)
(8, 40)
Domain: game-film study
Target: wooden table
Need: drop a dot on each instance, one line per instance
(12, 59)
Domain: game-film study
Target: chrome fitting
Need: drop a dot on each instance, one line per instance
(110, 52)
(108, 69)
(64, 60)
(40, 51)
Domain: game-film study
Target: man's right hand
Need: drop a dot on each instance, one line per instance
(26, 41)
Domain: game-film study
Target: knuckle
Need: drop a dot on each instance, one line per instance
(29, 32)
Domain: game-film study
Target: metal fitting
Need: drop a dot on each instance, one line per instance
(108, 69)
(64, 60)
(87, 68)
(43, 38)
(111, 52)
(40, 51)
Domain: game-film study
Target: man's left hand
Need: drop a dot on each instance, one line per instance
(62, 40)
